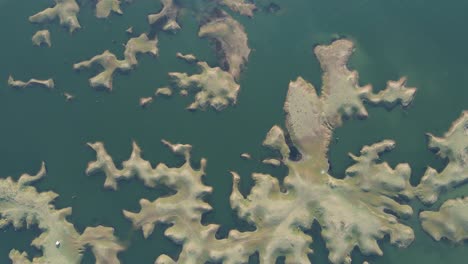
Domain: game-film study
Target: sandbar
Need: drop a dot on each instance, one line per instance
(169, 13)
(65, 10)
(104, 8)
(353, 212)
(215, 87)
(23, 206)
(110, 63)
(42, 37)
(232, 39)
(49, 83)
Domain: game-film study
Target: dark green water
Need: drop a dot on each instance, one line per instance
(423, 40)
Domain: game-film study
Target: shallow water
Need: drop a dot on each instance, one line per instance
(423, 40)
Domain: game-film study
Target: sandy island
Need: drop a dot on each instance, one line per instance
(65, 10)
(104, 8)
(189, 58)
(42, 37)
(49, 83)
(23, 206)
(453, 146)
(215, 87)
(109, 62)
(232, 39)
(353, 212)
(451, 220)
(169, 14)
(242, 7)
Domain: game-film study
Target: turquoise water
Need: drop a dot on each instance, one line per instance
(423, 40)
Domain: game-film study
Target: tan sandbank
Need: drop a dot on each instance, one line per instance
(104, 8)
(275, 140)
(272, 162)
(23, 206)
(346, 222)
(450, 222)
(395, 92)
(242, 7)
(68, 97)
(129, 30)
(65, 10)
(341, 84)
(165, 91)
(183, 92)
(42, 37)
(169, 12)
(232, 39)
(341, 96)
(145, 101)
(21, 84)
(277, 215)
(110, 63)
(350, 211)
(141, 44)
(216, 88)
(353, 212)
(452, 146)
(189, 58)
(246, 156)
